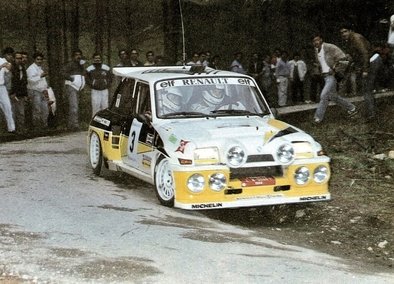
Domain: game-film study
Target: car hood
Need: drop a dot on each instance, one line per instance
(256, 134)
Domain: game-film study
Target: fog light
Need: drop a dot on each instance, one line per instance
(320, 174)
(196, 183)
(301, 175)
(217, 181)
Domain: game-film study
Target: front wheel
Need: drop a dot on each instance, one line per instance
(164, 182)
(95, 153)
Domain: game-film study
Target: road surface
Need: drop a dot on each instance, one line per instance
(61, 224)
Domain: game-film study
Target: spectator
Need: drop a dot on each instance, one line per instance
(236, 65)
(275, 58)
(74, 75)
(390, 39)
(134, 59)
(328, 57)
(5, 104)
(28, 106)
(202, 57)
(37, 85)
(18, 93)
(298, 71)
(150, 59)
(255, 68)
(8, 54)
(376, 69)
(124, 58)
(194, 59)
(282, 74)
(215, 62)
(359, 50)
(159, 60)
(316, 83)
(25, 58)
(98, 78)
(266, 76)
(207, 60)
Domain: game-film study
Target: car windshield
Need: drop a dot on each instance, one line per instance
(199, 97)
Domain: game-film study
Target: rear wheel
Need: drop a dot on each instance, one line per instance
(95, 153)
(164, 182)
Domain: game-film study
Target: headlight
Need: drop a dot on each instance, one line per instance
(285, 153)
(320, 174)
(196, 183)
(301, 175)
(206, 155)
(217, 181)
(236, 156)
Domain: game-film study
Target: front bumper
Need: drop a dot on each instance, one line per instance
(238, 193)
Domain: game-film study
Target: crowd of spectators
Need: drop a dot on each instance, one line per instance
(286, 77)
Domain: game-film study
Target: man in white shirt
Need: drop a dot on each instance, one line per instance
(36, 86)
(5, 103)
(390, 39)
(329, 58)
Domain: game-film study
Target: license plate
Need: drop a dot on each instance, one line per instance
(257, 181)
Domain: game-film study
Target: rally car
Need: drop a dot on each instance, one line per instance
(206, 139)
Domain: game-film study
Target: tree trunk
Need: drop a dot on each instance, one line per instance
(30, 28)
(65, 30)
(99, 27)
(75, 26)
(129, 14)
(109, 26)
(53, 20)
(171, 29)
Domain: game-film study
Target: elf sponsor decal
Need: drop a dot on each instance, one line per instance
(204, 81)
(206, 205)
(102, 120)
(182, 146)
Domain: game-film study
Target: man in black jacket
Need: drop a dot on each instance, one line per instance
(98, 78)
(18, 92)
(74, 75)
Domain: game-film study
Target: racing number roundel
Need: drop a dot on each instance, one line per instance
(132, 149)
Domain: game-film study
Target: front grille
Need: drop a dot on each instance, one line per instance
(274, 171)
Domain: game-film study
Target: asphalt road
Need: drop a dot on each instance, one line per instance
(61, 224)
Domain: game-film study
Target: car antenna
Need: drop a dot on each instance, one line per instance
(183, 36)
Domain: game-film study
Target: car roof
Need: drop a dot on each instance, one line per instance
(156, 73)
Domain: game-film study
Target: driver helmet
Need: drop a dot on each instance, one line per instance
(215, 96)
(172, 101)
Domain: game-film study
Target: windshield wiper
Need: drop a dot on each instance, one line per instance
(183, 113)
(234, 111)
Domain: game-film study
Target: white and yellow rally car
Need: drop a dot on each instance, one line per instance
(205, 139)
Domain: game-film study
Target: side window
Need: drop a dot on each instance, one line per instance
(122, 102)
(143, 101)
